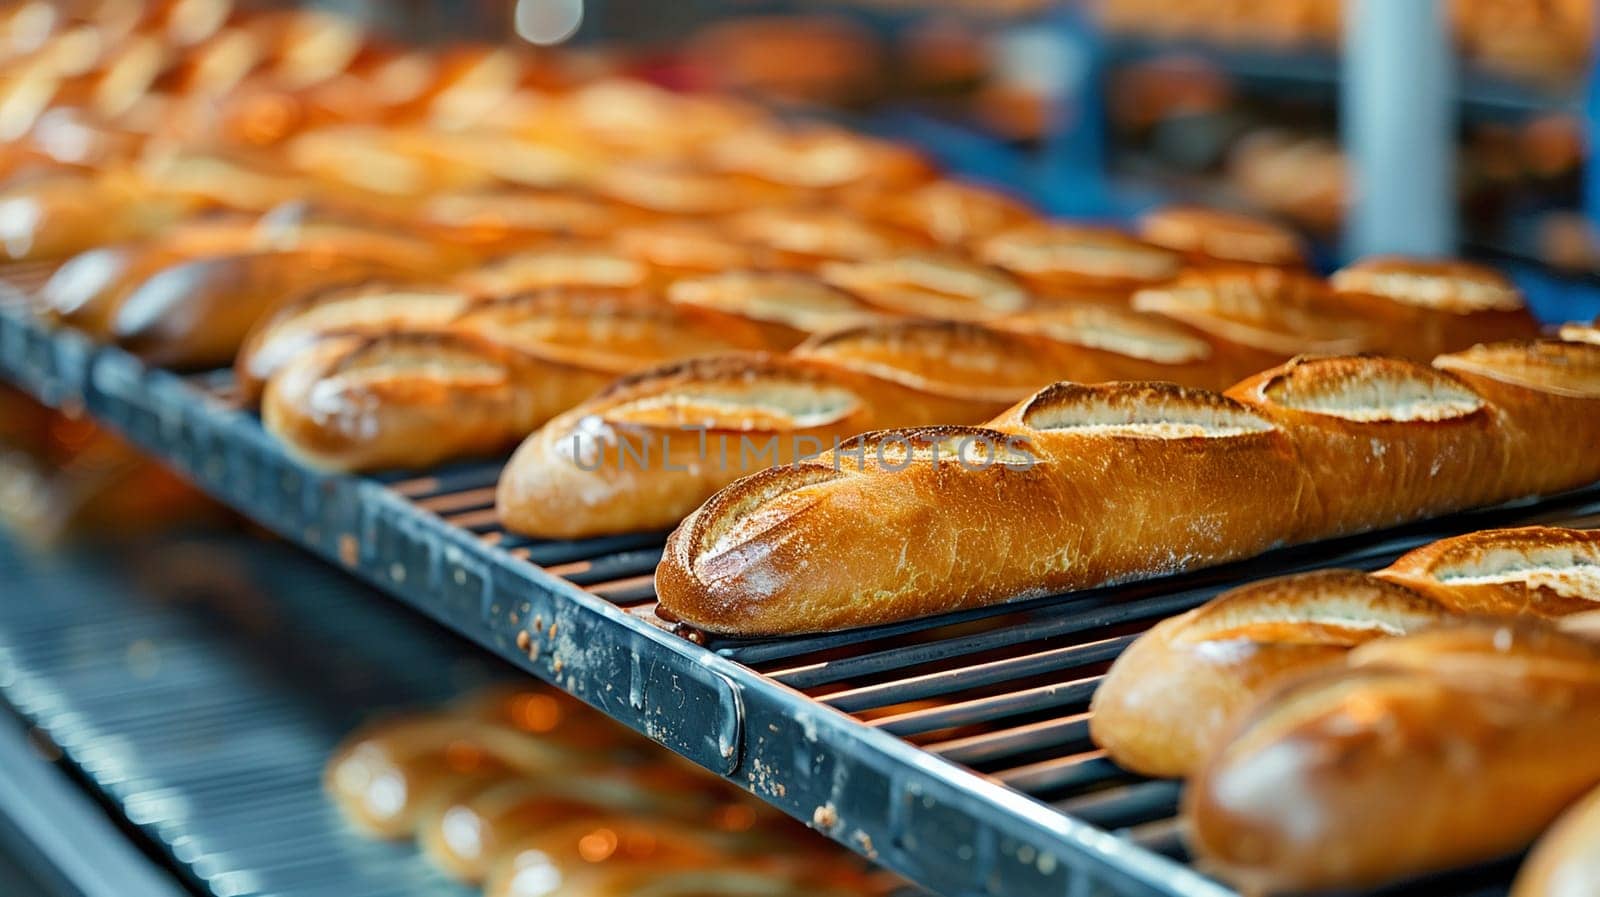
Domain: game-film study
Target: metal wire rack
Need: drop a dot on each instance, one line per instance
(953, 750)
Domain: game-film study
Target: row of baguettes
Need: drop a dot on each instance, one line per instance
(1081, 486)
(1168, 701)
(1343, 729)
(523, 358)
(527, 793)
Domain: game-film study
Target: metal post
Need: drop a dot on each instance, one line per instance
(1398, 116)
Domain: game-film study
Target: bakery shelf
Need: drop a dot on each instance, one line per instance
(197, 685)
(951, 750)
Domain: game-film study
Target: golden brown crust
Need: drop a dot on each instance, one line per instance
(947, 212)
(648, 450)
(747, 560)
(612, 331)
(1426, 307)
(930, 285)
(1209, 235)
(575, 265)
(408, 400)
(198, 313)
(1055, 257)
(788, 308)
(679, 247)
(1565, 862)
(1119, 344)
(1546, 399)
(1263, 315)
(1535, 570)
(818, 158)
(1580, 333)
(1171, 698)
(1419, 442)
(369, 308)
(806, 237)
(1361, 777)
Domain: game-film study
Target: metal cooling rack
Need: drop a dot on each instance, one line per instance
(199, 686)
(953, 750)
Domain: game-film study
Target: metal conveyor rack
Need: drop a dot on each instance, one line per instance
(953, 750)
(198, 685)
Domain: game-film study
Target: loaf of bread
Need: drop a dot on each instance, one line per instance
(1071, 261)
(385, 776)
(788, 308)
(1168, 699)
(930, 285)
(1425, 307)
(1538, 571)
(493, 374)
(1172, 697)
(947, 212)
(467, 833)
(558, 265)
(1262, 315)
(803, 238)
(1450, 747)
(1099, 484)
(61, 215)
(1208, 236)
(1565, 862)
(618, 856)
(372, 308)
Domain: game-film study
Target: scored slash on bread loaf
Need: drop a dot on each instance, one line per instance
(1137, 480)
(947, 212)
(1169, 699)
(1444, 748)
(1173, 694)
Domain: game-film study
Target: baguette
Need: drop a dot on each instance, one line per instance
(802, 238)
(1538, 571)
(1079, 262)
(653, 447)
(1038, 488)
(1544, 394)
(1424, 308)
(495, 373)
(946, 212)
(1107, 483)
(788, 308)
(62, 215)
(386, 776)
(676, 247)
(930, 285)
(1119, 344)
(1168, 699)
(1208, 236)
(197, 314)
(1565, 862)
(818, 158)
(618, 856)
(1442, 749)
(463, 836)
(1261, 315)
(365, 309)
(1168, 702)
(576, 265)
